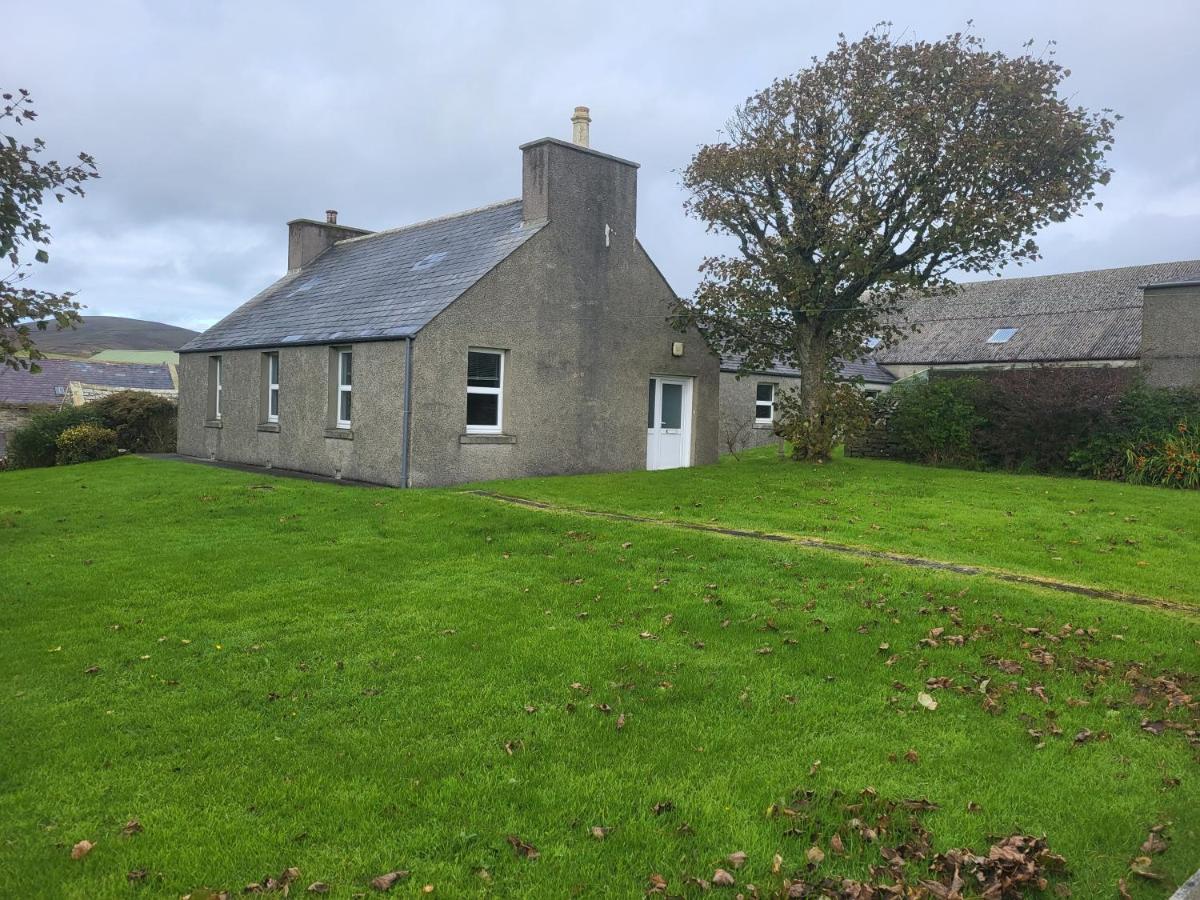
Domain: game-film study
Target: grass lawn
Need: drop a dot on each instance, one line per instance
(1121, 537)
(269, 673)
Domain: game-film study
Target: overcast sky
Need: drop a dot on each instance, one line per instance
(214, 123)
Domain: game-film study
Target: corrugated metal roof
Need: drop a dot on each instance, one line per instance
(20, 387)
(376, 287)
(1076, 316)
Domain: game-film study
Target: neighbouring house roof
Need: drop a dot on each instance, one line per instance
(20, 387)
(1093, 315)
(866, 368)
(380, 286)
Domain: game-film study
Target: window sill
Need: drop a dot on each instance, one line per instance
(487, 439)
(764, 426)
(340, 434)
(213, 423)
(272, 427)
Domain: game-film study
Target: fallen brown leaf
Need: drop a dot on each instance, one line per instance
(522, 848)
(721, 878)
(1141, 866)
(82, 849)
(318, 887)
(815, 855)
(737, 860)
(1155, 842)
(388, 880)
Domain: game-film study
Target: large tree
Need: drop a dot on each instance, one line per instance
(872, 175)
(26, 181)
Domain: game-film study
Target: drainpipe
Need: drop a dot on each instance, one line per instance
(407, 427)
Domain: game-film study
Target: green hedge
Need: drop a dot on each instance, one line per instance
(36, 444)
(141, 422)
(1103, 423)
(144, 423)
(84, 443)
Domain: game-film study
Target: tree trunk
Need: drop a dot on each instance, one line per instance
(814, 442)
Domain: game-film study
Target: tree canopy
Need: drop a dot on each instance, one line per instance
(875, 173)
(25, 183)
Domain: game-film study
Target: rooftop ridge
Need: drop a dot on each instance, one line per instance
(1001, 278)
(424, 222)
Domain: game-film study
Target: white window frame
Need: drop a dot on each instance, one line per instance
(1003, 335)
(344, 387)
(273, 385)
(498, 391)
(217, 387)
(757, 403)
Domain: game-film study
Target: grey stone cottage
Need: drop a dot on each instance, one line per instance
(529, 337)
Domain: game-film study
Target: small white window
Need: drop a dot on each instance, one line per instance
(872, 343)
(764, 404)
(214, 377)
(272, 387)
(345, 371)
(485, 383)
(1001, 335)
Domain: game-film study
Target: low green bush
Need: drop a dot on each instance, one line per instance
(84, 443)
(36, 444)
(144, 422)
(937, 421)
(1141, 414)
(1170, 459)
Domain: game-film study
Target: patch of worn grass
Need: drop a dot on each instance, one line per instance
(294, 674)
(1140, 540)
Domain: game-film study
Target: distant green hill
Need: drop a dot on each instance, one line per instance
(112, 333)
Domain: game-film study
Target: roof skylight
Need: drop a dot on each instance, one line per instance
(872, 342)
(1001, 335)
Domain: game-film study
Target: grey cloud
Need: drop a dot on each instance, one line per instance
(215, 123)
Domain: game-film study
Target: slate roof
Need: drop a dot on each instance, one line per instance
(1077, 316)
(20, 387)
(379, 286)
(866, 368)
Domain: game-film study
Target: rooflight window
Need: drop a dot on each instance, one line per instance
(872, 342)
(430, 261)
(1001, 335)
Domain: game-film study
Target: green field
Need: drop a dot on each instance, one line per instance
(268, 673)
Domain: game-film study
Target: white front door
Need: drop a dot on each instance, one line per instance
(669, 423)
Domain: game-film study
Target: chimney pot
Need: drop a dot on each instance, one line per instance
(331, 216)
(581, 123)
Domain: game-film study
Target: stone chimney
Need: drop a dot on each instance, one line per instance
(571, 184)
(581, 126)
(308, 238)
